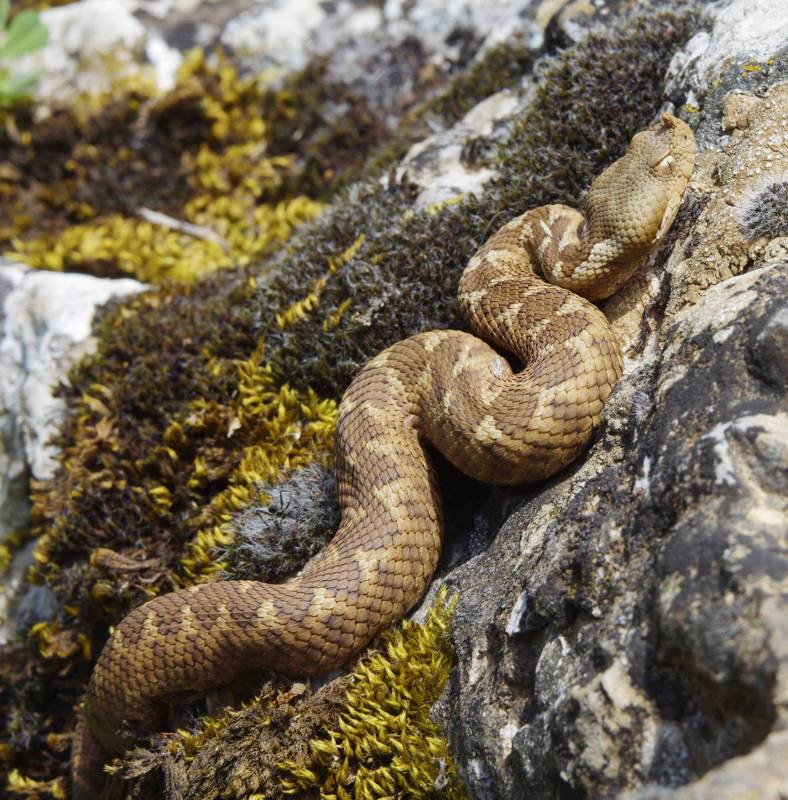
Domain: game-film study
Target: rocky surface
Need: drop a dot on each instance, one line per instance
(626, 630)
(45, 327)
(388, 52)
(626, 626)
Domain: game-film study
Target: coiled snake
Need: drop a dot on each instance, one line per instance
(447, 387)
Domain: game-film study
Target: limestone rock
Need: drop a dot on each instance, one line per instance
(45, 320)
(627, 625)
(439, 164)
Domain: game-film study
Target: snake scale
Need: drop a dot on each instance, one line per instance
(525, 291)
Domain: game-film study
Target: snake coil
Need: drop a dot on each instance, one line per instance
(526, 291)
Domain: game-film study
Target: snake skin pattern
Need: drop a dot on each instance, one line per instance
(446, 387)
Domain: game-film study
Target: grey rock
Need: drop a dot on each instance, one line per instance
(769, 350)
(742, 49)
(437, 164)
(625, 633)
(614, 633)
(45, 321)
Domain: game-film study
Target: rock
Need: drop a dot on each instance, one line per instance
(626, 626)
(741, 31)
(439, 164)
(743, 50)
(45, 320)
(81, 32)
(626, 631)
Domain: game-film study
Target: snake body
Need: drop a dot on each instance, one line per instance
(521, 293)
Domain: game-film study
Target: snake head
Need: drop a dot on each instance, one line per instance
(660, 159)
(633, 203)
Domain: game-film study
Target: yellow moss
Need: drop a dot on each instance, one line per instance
(301, 308)
(435, 208)
(154, 253)
(283, 430)
(54, 641)
(387, 745)
(20, 786)
(5, 558)
(225, 223)
(332, 320)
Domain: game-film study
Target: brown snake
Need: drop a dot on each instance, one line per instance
(446, 387)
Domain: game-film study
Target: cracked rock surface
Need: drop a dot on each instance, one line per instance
(625, 633)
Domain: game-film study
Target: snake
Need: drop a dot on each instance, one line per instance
(513, 402)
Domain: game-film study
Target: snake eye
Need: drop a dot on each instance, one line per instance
(663, 163)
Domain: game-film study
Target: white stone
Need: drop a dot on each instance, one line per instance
(79, 32)
(282, 30)
(165, 61)
(752, 29)
(435, 163)
(45, 326)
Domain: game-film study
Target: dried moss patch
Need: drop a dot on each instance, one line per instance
(283, 526)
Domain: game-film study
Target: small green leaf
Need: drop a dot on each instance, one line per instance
(25, 35)
(4, 6)
(16, 87)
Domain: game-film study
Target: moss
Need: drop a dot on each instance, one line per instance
(17, 785)
(5, 559)
(283, 526)
(500, 67)
(366, 729)
(765, 212)
(276, 430)
(232, 208)
(385, 744)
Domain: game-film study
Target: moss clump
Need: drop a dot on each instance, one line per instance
(502, 66)
(284, 525)
(766, 212)
(232, 209)
(277, 430)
